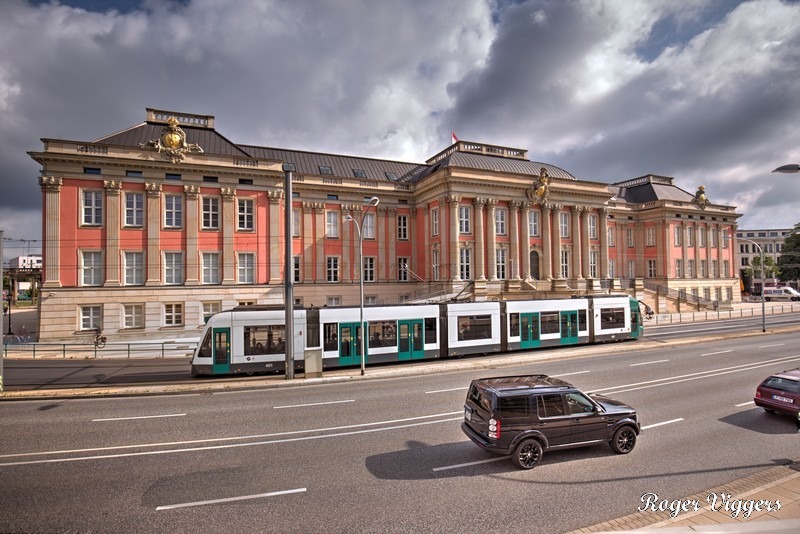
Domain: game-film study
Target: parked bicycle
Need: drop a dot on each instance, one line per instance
(99, 339)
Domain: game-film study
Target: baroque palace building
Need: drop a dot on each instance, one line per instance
(148, 231)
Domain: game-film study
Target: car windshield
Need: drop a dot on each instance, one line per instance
(784, 384)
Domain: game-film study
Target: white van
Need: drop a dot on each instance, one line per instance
(780, 293)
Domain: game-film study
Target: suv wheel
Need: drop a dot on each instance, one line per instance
(624, 440)
(528, 454)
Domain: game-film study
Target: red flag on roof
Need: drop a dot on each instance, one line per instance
(453, 137)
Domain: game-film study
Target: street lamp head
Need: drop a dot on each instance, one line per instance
(348, 218)
(788, 169)
(374, 201)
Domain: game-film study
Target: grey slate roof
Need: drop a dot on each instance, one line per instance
(209, 140)
(649, 189)
(498, 164)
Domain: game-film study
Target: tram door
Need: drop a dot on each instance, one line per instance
(410, 340)
(350, 344)
(221, 347)
(569, 327)
(529, 330)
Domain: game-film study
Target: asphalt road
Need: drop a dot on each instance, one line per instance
(385, 455)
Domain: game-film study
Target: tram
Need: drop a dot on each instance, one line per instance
(251, 339)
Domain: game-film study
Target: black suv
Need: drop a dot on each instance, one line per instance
(525, 415)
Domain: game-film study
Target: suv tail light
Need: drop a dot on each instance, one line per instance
(494, 428)
(758, 393)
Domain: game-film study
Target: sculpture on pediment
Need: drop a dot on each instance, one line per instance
(700, 197)
(540, 188)
(172, 143)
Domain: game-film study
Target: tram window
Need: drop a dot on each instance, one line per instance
(430, 330)
(582, 322)
(550, 323)
(267, 339)
(513, 325)
(331, 339)
(205, 346)
(474, 327)
(382, 334)
(312, 335)
(612, 318)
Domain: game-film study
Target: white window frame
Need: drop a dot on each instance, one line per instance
(332, 224)
(173, 211)
(612, 237)
(91, 317)
(133, 316)
(210, 217)
(332, 269)
(690, 236)
(533, 223)
(593, 226)
(91, 268)
(210, 268)
(650, 236)
(465, 263)
(501, 263)
(134, 209)
(210, 308)
(368, 269)
(402, 269)
(464, 220)
(563, 224)
(296, 222)
(134, 268)
(435, 221)
(594, 258)
(678, 235)
(173, 314)
(435, 264)
(630, 237)
(402, 227)
(565, 257)
(92, 208)
(368, 228)
(246, 268)
(173, 268)
(500, 221)
(631, 269)
(652, 269)
(678, 268)
(245, 214)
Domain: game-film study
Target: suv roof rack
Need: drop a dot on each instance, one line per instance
(499, 383)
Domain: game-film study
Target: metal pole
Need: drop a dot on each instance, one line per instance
(288, 275)
(763, 283)
(361, 292)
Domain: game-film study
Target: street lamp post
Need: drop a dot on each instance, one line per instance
(374, 201)
(763, 282)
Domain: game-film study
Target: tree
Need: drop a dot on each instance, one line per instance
(770, 269)
(789, 260)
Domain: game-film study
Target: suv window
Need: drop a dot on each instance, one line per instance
(550, 405)
(479, 397)
(578, 404)
(516, 407)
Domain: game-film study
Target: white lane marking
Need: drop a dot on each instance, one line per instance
(662, 423)
(139, 417)
(718, 352)
(647, 363)
(773, 345)
(446, 390)
(654, 334)
(230, 499)
(745, 404)
(695, 376)
(468, 464)
(312, 404)
(570, 374)
(233, 438)
(229, 446)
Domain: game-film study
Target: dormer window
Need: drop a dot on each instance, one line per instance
(324, 169)
(359, 173)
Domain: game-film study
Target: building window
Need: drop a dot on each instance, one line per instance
(611, 237)
(210, 267)
(211, 179)
(134, 268)
(533, 223)
(592, 226)
(245, 181)
(172, 176)
(133, 174)
(501, 261)
(690, 236)
(745, 262)
(368, 228)
(402, 269)
(629, 234)
(435, 221)
(563, 223)
(210, 213)
(246, 214)
(464, 220)
(714, 237)
(296, 268)
(133, 316)
(370, 300)
(332, 224)
(91, 170)
(359, 173)
(91, 318)
(332, 269)
(725, 238)
(465, 263)
(726, 268)
(631, 269)
(333, 301)
(295, 222)
(173, 314)
(593, 258)
(691, 266)
(564, 262)
(701, 236)
(500, 217)
(92, 268)
(703, 265)
(210, 308)
(325, 169)
(173, 211)
(612, 267)
(650, 236)
(678, 268)
(678, 232)
(435, 264)
(369, 269)
(247, 268)
(714, 267)
(402, 227)
(92, 208)
(651, 268)
(173, 268)
(134, 209)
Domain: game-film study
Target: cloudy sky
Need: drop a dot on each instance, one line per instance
(706, 91)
